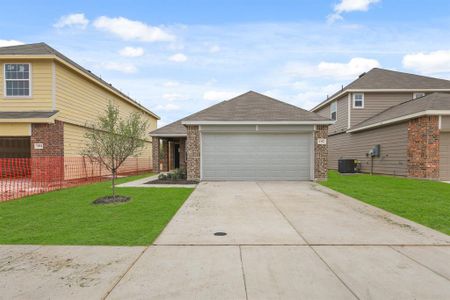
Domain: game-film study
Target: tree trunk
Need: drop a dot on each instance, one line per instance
(114, 183)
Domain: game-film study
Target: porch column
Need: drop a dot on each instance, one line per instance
(155, 154)
(183, 153)
(165, 160)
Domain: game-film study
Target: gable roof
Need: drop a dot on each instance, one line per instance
(382, 79)
(432, 104)
(251, 107)
(39, 49)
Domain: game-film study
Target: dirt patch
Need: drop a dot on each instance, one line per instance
(169, 181)
(111, 199)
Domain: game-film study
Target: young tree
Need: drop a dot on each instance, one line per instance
(111, 140)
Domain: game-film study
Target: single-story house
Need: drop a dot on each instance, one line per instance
(249, 137)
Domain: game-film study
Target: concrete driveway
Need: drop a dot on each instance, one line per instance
(285, 240)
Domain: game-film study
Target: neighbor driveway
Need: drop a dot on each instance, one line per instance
(284, 240)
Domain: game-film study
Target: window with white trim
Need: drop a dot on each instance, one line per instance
(358, 100)
(333, 110)
(418, 95)
(17, 80)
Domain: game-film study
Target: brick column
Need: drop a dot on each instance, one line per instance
(423, 147)
(48, 163)
(193, 153)
(165, 155)
(155, 154)
(320, 153)
(183, 153)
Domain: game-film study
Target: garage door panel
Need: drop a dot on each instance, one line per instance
(256, 156)
(444, 156)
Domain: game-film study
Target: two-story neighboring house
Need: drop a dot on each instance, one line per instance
(407, 115)
(47, 100)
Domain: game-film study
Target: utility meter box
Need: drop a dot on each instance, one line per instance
(375, 151)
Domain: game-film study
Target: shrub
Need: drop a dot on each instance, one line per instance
(179, 174)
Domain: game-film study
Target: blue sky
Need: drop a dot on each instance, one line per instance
(177, 57)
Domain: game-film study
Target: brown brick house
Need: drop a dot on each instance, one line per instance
(249, 137)
(407, 115)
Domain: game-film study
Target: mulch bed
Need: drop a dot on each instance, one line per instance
(111, 199)
(168, 181)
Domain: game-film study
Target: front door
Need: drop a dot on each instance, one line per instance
(176, 156)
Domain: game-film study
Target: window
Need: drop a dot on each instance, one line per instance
(418, 95)
(333, 110)
(358, 100)
(17, 80)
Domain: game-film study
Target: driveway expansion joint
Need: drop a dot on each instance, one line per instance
(418, 262)
(308, 244)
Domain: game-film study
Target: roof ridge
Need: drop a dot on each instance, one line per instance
(279, 101)
(410, 74)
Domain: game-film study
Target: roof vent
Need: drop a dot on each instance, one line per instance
(361, 75)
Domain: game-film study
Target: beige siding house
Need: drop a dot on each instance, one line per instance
(406, 114)
(47, 99)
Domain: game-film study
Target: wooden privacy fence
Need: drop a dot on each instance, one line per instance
(21, 177)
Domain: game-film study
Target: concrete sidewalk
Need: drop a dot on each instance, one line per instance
(285, 240)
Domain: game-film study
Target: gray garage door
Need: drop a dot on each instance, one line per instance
(444, 156)
(256, 156)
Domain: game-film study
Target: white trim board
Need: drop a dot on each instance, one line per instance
(258, 122)
(168, 135)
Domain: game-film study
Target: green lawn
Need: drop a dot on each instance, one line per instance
(67, 217)
(423, 201)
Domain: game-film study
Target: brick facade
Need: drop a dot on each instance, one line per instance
(165, 156)
(51, 136)
(48, 163)
(423, 147)
(320, 153)
(155, 154)
(193, 153)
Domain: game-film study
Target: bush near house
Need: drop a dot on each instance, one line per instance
(422, 201)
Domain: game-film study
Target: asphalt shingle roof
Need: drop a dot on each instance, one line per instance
(44, 49)
(27, 114)
(434, 101)
(250, 106)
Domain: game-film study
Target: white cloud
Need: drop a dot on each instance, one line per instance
(132, 51)
(303, 94)
(346, 6)
(132, 30)
(126, 68)
(7, 43)
(214, 49)
(354, 67)
(168, 107)
(173, 96)
(171, 83)
(219, 95)
(431, 62)
(72, 20)
(179, 57)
